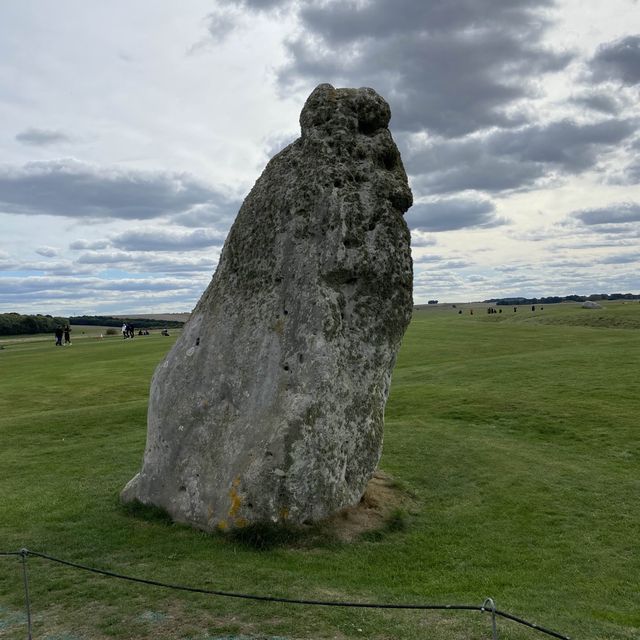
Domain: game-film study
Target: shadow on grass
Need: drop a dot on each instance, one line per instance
(264, 536)
(149, 512)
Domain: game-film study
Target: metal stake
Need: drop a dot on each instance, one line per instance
(23, 554)
(492, 606)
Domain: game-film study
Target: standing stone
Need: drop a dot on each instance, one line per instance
(270, 405)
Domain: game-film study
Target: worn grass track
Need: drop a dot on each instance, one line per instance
(517, 434)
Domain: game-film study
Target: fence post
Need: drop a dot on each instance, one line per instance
(492, 606)
(23, 554)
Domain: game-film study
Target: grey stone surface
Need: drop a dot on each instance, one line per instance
(590, 304)
(270, 405)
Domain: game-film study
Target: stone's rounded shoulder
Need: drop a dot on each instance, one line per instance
(363, 110)
(373, 110)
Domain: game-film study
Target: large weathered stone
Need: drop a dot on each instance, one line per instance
(270, 405)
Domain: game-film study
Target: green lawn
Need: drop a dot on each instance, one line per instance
(516, 433)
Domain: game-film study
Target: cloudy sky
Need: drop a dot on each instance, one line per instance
(131, 131)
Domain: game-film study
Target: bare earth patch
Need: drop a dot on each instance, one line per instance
(383, 498)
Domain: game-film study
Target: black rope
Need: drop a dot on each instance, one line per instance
(322, 603)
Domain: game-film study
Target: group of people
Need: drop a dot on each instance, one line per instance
(491, 310)
(127, 330)
(63, 333)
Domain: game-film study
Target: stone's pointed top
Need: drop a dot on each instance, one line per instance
(361, 110)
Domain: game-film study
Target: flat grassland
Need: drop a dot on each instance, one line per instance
(515, 433)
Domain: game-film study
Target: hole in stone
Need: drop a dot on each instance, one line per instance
(300, 358)
(183, 488)
(197, 341)
(285, 312)
(367, 127)
(250, 505)
(350, 243)
(389, 159)
(286, 367)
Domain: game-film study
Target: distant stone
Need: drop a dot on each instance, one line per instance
(270, 405)
(589, 304)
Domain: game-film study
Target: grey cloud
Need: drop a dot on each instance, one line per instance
(623, 258)
(598, 101)
(419, 239)
(260, 5)
(630, 174)
(449, 67)
(222, 22)
(618, 60)
(40, 284)
(83, 286)
(78, 245)
(513, 159)
(177, 265)
(146, 284)
(70, 188)
(566, 144)
(616, 213)
(446, 214)
(428, 259)
(7, 263)
(454, 264)
(54, 268)
(148, 262)
(41, 137)
(47, 252)
(105, 257)
(167, 240)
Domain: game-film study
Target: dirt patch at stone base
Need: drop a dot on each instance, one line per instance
(383, 501)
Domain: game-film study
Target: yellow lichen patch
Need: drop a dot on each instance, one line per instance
(222, 525)
(210, 513)
(236, 499)
(241, 522)
(278, 326)
(284, 513)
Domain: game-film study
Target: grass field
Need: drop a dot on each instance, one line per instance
(516, 434)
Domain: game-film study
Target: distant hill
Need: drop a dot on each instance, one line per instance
(594, 297)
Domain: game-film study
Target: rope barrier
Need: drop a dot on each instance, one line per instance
(488, 604)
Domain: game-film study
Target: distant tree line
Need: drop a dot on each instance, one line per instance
(138, 323)
(571, 298)
(13, 324)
